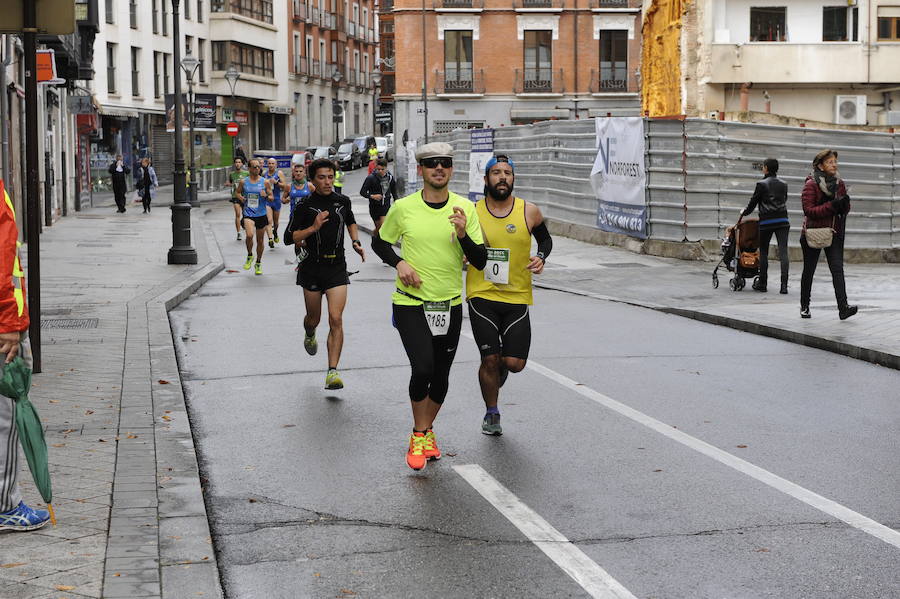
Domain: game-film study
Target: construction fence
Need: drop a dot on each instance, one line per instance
(699, 174)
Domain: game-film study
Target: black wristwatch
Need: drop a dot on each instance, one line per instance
(356, 242)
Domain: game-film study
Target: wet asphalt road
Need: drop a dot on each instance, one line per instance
(605, 442)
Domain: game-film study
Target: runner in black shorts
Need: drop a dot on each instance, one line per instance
(320, 220)
(380, 189)
(500, 294)
(234, 178)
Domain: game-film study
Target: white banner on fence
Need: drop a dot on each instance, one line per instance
(482, 144)
(618, 176)
(411, 164)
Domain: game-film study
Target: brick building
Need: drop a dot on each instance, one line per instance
(333, 54)
(493, 63)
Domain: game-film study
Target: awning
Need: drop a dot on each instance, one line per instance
(119, 111)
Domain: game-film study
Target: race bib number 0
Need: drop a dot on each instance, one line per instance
(497, 268)
(253, 201)
(437, 314)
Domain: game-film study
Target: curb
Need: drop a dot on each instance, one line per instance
(159, 543)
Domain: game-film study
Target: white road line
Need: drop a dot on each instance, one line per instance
(832, 508)
(573, 561)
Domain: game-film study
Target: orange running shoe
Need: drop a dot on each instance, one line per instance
(415, 457)
(431, 449)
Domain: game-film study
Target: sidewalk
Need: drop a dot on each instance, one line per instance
(130, 511)
(685, 288)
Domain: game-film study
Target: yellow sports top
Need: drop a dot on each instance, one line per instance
(509, 250)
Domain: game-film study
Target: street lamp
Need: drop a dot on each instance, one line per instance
(376, 79)
(336, 76)
(190, 64)
(231, 76)
(181, 252)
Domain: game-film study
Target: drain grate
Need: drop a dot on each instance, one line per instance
(622, 265)
(70, 323)
(55, 311)
(93, 245)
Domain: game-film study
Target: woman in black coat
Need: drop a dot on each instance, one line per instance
(118, 170)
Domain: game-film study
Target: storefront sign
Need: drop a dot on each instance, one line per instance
(241, 117)
(46, 67)
(281, 110)
(80, 105)
(204, 112)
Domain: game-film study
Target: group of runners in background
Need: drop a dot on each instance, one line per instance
(438, 231)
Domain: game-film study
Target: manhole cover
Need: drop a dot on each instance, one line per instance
(70, 323)
(93, 245)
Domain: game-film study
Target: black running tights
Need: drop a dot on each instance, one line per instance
(430, 357)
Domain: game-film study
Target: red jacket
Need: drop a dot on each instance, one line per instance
(817, 206)
(13, 309)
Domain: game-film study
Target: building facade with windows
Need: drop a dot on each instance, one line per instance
(490, 63)
(815, 60)
(333, 50)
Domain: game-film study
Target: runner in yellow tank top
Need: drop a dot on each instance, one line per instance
(499, 295)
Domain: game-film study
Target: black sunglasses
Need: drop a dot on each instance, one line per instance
(434, 162)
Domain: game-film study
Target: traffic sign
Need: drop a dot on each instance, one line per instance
(232, 129)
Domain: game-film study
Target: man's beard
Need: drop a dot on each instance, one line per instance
(499, 194)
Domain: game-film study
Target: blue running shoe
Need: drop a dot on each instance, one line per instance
(23, 517)
(491, 425)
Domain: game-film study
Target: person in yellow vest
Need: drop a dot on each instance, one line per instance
(15, 514)
(338, 178)
(499, 295)
(373, 156)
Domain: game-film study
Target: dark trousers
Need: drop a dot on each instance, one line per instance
(146, 197)
(834, 254)
(765, 236)
(119, 191)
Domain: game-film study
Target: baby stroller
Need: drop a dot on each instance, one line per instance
(740, 253)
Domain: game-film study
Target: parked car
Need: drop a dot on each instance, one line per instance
(348, 156)
(384, 150)
(303, 158)
(322, 152)
(362, 142)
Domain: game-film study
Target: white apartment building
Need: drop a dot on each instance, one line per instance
(833, 61)
(293, 58)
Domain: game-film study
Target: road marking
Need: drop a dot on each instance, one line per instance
(573, 561)
(832, 508)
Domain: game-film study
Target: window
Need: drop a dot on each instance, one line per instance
(199, 11)
(834, 24)
(457, 60)
(768, 24)
(188, 45)
(110, 11)
(187, 9)
(110, 68)
(889, 23)
(261, 10)
(538, 61)
(156, 88)
(201, 54)
(165, 21)
(132, 13)
(154, 16)
(165, 62)
(245, 58)
(135, 71)
(613, 60)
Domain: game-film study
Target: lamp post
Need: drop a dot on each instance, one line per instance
(376, 79)
(231, 76)
(336, 76)
(181, 252)
(190, 64)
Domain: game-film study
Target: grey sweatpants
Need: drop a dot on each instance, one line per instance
(9, 442)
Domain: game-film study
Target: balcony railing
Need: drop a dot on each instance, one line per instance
(329, 20)
(386, 5)
(301, 65)
(261, 10)
(299, 10)
(315, 68)
(459, 81)
(350, 27)
(539, 80)
(539, 4)
(609, 81)
(459, 3)
(609, 3)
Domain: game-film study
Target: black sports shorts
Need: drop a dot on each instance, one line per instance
(378, 209)
(500, 328)
(321, 276)
(261, 222)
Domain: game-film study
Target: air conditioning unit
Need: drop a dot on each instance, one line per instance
(850, 110)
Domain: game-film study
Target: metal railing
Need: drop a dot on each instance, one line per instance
(260, 10)
(606, 81)
(539, 80)
(459, 4)
(301, 65)
(351, 27)
(539, 4)
(315, 68)
(609, 3)
(459, 81)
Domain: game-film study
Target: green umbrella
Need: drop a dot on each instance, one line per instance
(15, 383)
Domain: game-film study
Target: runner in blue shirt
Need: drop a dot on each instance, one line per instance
(298, 191)
(253, 192)
(278, 183)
